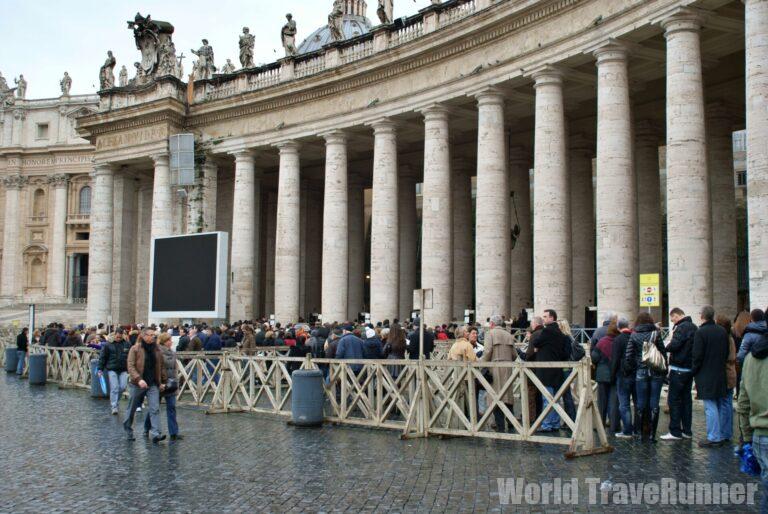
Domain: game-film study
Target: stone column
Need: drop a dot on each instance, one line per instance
(521, 252)
(617, 283)
(314, 245)
(408, 236)
(10, 274)
(209, 194)
(243, 271)
(162, 198)
(356, 266)
(195, 221)
(492, 234)
(463, 251)
(335, 230)
(385, 231)
(725, 289)
(437, 219)
(269, 273)
(756, 13)
(551, 202)
(287, 245)
(582, 227)
(100, 246)
(58, 256)
(649, 214)
(123, 247)
(689, 227)
(143, 234)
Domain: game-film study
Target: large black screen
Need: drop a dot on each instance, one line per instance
(185, 274)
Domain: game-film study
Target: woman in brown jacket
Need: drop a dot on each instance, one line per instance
(499, 346)
(249, 341)
(726, 413)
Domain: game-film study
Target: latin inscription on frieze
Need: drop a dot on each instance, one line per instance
(131, 138)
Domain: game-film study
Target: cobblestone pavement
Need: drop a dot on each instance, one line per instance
(60, 450)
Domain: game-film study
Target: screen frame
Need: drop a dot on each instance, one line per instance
(220, 309)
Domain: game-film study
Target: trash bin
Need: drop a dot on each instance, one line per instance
(307, 398)
(11, 360)
(96, 390)
(37, 369)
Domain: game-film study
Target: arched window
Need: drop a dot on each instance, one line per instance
(36, 273)
(38, 203)
(85, 200)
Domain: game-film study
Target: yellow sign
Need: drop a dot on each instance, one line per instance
(650, 290)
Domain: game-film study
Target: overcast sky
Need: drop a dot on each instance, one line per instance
(44, 38)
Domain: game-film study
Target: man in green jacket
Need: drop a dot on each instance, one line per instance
(753, 408)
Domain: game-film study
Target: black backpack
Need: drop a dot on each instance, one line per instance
(577, 350)
(316, 345)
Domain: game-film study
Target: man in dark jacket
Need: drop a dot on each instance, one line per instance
(413, 342)
(680, 352)
(147, 372)
(51, 336)
(710, 353)
(114, 360)
(350, 347)
(551, 346)
(624, 381)
(183, 343)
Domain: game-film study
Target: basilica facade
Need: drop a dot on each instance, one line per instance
(502, 154)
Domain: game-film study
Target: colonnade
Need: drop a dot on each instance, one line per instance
(567, 250)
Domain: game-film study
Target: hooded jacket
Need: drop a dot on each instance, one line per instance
(753, 396)
(752, 334)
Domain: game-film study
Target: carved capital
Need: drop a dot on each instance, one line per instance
(15, 182)
(58, 180)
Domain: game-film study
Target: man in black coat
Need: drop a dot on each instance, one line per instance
(710, 353)
(551, 346)
(680, 352)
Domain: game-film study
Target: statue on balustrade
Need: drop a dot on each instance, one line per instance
(6, 93)
(336, 20)
(66, 83)
(386, 11)
(247, 40)
(122, 79)
(21, 87)
(228, 67)
(205, 66)
(158, 53)
(288, 36)
(106, 73)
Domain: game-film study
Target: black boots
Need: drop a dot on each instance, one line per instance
(638, 425)
(654, 424)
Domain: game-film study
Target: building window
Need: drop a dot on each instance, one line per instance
(42, 131)
(85, 200)
(741, 178)
(82, 236)
(38, 204)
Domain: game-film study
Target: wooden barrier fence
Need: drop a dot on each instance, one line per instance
(418, 398)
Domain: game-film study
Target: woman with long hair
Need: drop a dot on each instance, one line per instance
(648, 380)
(726, 412)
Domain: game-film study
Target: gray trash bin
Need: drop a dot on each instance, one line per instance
(37, 369)
(96, 390)
(307, 398)
(11, 360)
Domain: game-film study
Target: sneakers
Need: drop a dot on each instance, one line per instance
(669, 436)
(138, 409)
(687, 436)
(706, 443)
(158, 438)
(129, 435)
(622, 435)
(114, 412)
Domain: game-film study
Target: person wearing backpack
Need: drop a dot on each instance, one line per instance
(710, 354)
(680, 353)
(623, 379)
(649, 377)
(601, 357)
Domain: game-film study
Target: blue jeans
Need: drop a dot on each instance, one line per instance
(552, 421)
(117, 385)
(626, 389)
(22, 357)
(760, 449)
(712, 414)
(725, 406)
(648, 391)
(170, 414)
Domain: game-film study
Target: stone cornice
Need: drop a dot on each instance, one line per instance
(348, 78)
(158, 111)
